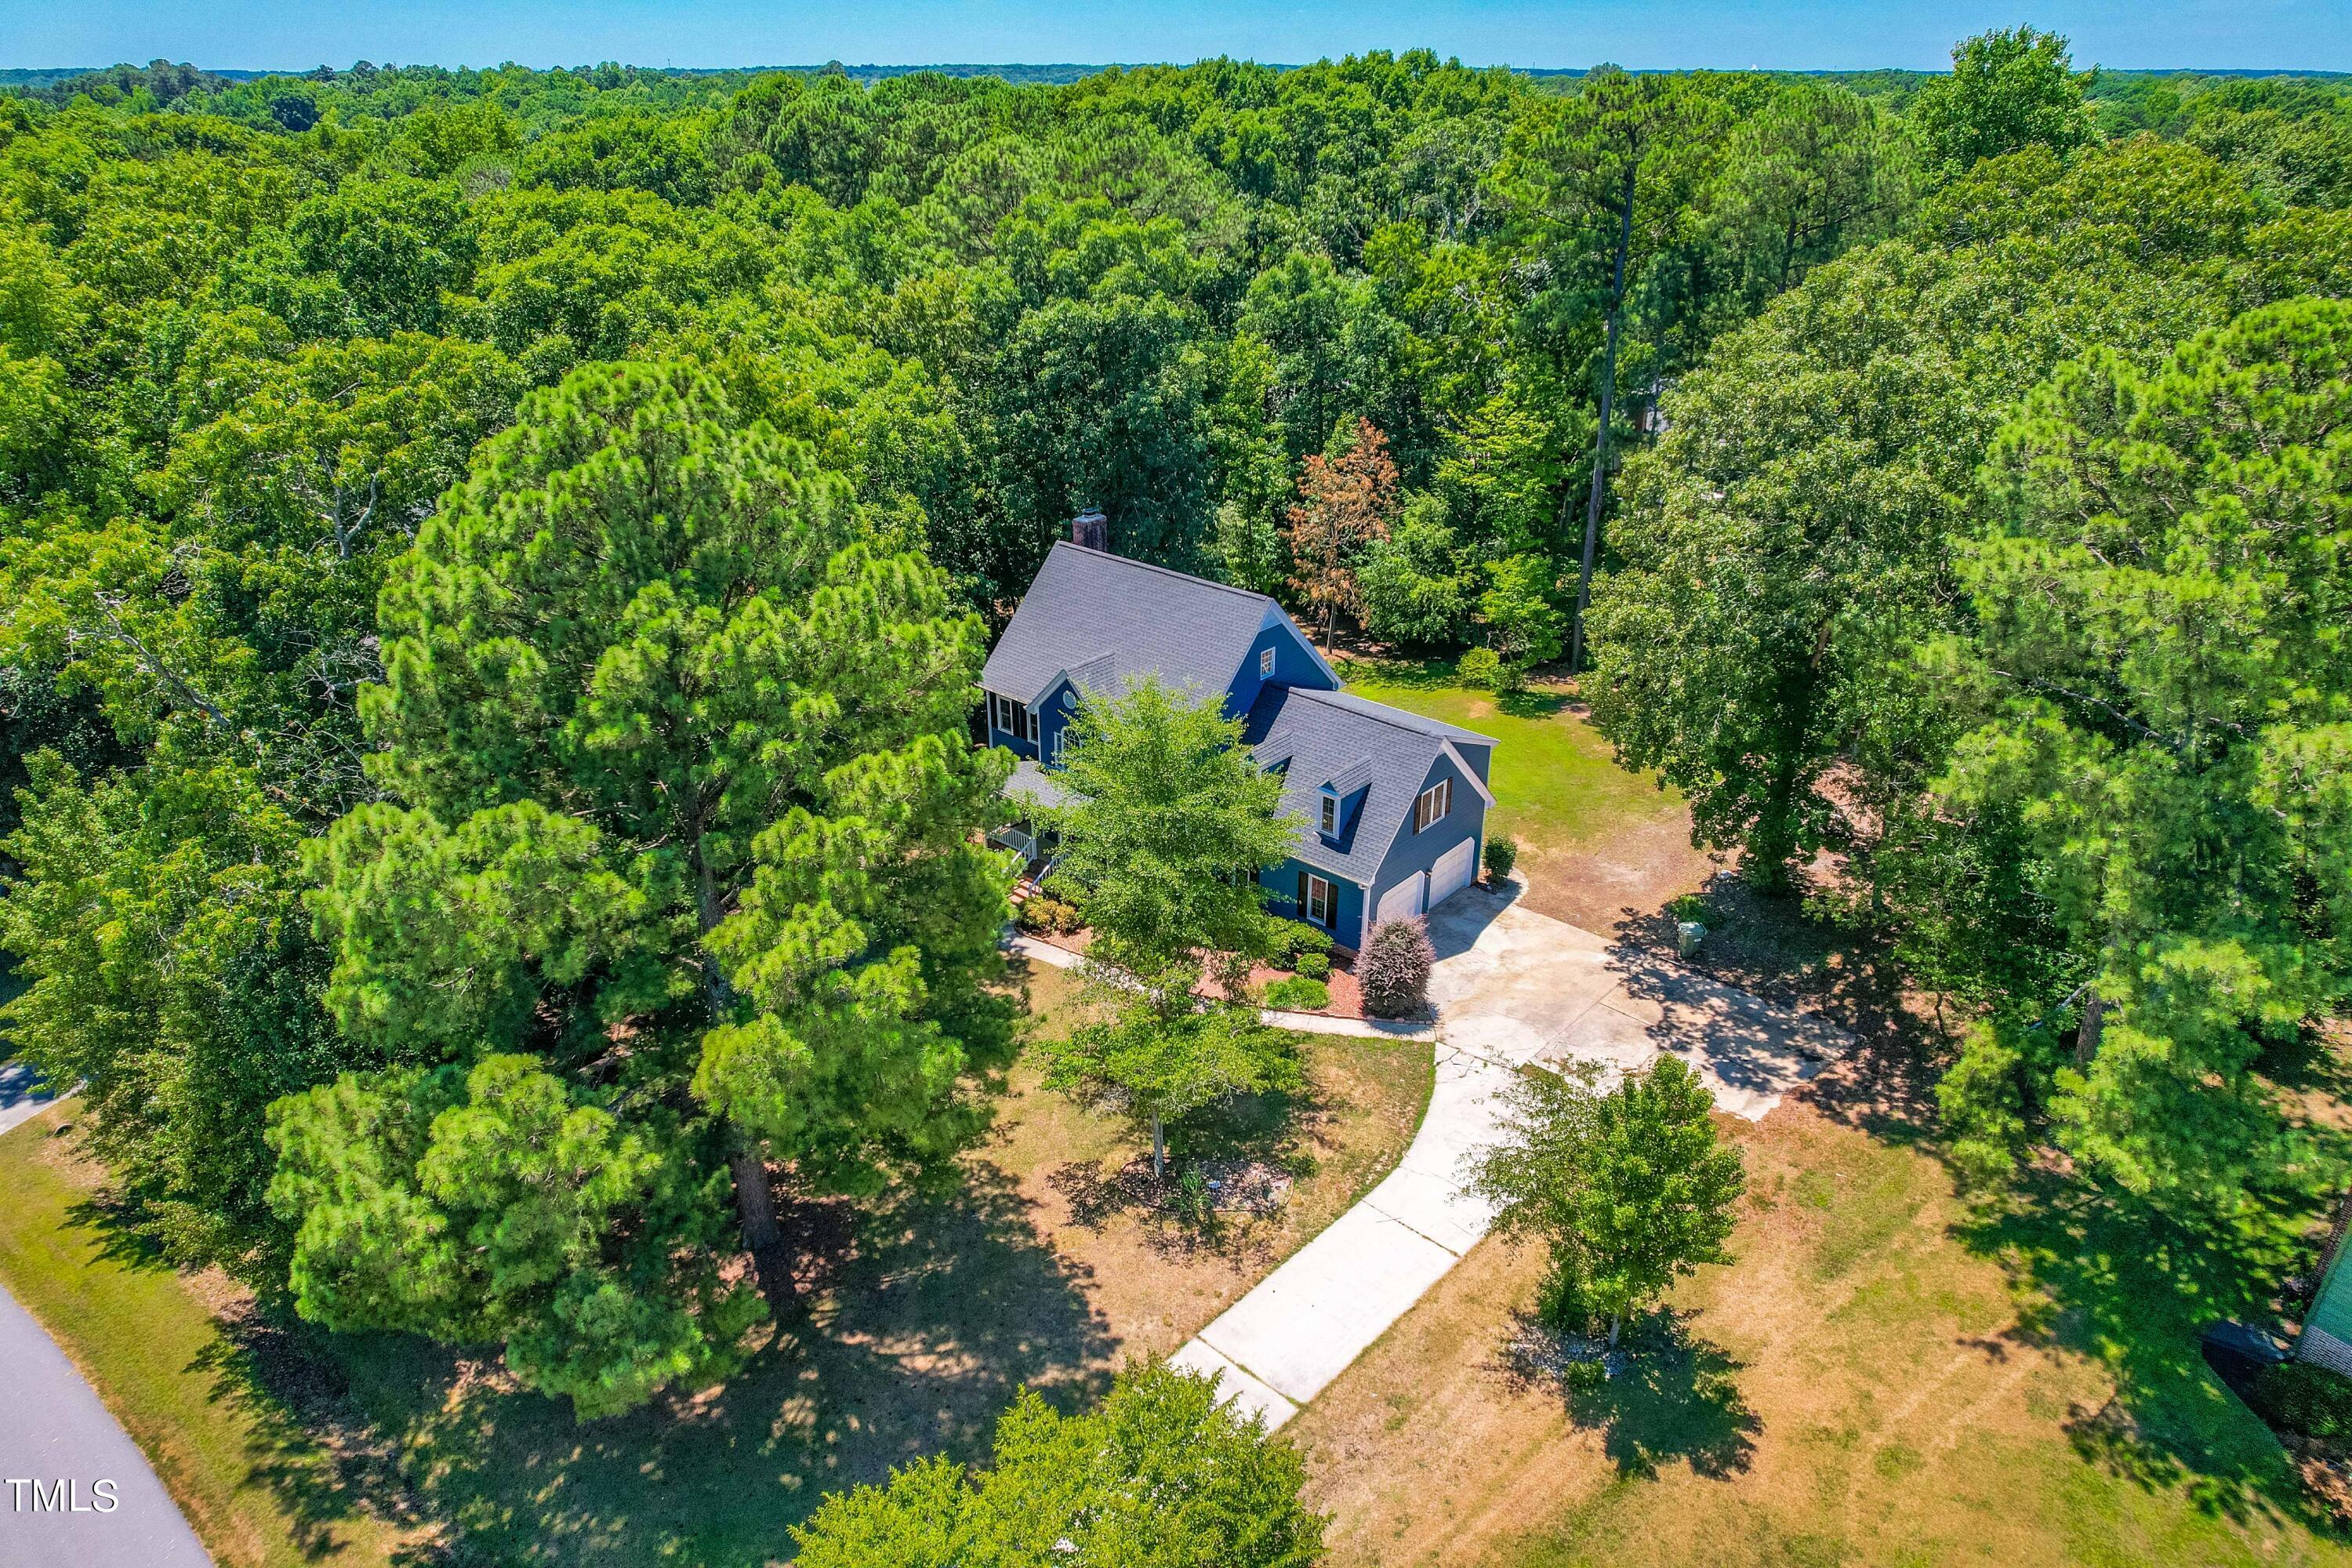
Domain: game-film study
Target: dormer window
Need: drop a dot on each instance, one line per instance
(1266, 664)
(1330, 813)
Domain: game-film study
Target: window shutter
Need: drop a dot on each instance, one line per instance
(1302, 895)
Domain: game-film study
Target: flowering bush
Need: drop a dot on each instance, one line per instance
(1394, 971)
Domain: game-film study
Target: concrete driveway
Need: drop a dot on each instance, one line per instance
(1520, 988)
(23, 1095)
(1512, 988)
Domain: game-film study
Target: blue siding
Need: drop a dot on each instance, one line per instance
(1294, 665)
(1347, 897)
(1018, 745)
(1053, 716)
(1415, 852)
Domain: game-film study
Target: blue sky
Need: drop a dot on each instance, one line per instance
(2314, 34)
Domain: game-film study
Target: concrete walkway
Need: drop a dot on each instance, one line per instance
(1513, 988)
(58, 1445)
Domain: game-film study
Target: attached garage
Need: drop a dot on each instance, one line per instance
(1403, 901)
(1453, 871)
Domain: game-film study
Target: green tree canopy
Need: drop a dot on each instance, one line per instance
(1167, 825)
(1628, 1189)
(680, 868)
(2159, 648)
(1160, 1476)
(2010, 90)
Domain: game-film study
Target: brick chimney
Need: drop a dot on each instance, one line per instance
(1092, 530)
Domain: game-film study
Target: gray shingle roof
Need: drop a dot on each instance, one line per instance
(1033, 784)
(1332, 735)
(1399, 719)
(1110, 621)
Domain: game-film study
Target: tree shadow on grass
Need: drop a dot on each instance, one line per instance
(921, 1333)
(1675, 1396)
(2100, 1273)
(1288, 1129)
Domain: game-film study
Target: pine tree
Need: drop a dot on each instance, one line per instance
(681, 881)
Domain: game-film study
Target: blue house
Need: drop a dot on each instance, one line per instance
(1391, 806)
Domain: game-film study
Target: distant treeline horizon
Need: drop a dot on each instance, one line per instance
(61, 82)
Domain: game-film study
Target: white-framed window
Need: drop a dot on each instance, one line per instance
(1266, 663)
(1330, 812)
(1317, 901)
(1013, 718)
(1061, 741)
(1434, 803)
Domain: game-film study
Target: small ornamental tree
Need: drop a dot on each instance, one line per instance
(1160, 1476)
(1501, 853)
(1394, 972)
(1345, 500)
(1628, 1189)
(1165, 828)
(1164, 1059)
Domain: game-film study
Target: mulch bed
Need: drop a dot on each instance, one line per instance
(1346, 996)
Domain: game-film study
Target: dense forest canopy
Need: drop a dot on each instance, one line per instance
(286, 362)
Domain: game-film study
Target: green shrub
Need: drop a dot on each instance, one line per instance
(1689, 906)
(1315, 966)
(1047, 914)
(1298, 994)
(1500, 855)
(1295, 939)
(2301, 1397)
(1480, 669)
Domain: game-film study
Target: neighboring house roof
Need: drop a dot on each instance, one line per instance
(1332, 736)
(1107, 622)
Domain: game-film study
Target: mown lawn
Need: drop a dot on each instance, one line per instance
(926, 1316)
(1887, 1376)
(257, 1487)
(1599, 845)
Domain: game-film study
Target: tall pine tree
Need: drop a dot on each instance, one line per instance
(681, 882)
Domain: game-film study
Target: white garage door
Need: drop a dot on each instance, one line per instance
(1403, 901)
(1453, 871)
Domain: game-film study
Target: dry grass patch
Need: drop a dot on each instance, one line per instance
(1158, 1279)
(925, 1314)
(1598, 845)
(1879, 1380)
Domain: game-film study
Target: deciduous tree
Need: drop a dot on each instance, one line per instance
(1160, 1476)
(1345, 500)
(1628, 1189)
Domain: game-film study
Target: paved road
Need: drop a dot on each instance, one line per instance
(22, 1094)
(53, 1430)
(1513, 988)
